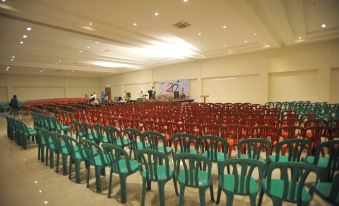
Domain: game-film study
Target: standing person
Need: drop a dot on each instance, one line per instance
(102, 96)
(14, 104)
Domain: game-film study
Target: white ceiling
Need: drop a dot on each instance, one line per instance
(75, 37)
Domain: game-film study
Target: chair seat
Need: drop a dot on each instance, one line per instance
(323, 189)
(97, 160)
(32, 132)
(282, 158)
(125, 142)
(245, 156)
(277, 190)
(161, 171)
(220, 156)
(133, 163)
(323, 161)
(162, 149)
(63, 127)
(229, 185)
(202, 178)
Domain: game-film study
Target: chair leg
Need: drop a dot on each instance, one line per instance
(70, 168)
(42, 153)
(98, 178)
(39, 151)
(88, 166)
(110, 183)
(51, 159)
(77, 171)
(181, 195)
(123, 194)
(46, 156)
(143, 192)
(253, 199)
(276, 201)
(57, 163)
(218, 195)
(212, 193)
(175, 186)
(261, 195)
(149, 185)
(64, 165)
(229, 198)
(202, 196)
(161, 186)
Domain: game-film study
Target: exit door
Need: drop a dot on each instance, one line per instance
(108, 92)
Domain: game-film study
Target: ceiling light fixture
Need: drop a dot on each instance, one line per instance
(21, 42)
(3, 0)
(199, 33)
(156, 14)
(323, 25)
(28, 28)
(13, 57)
(135, 24)
(185, 0)
(254, 34)
(88, 47)
(72, 71)
(267, 46)
(224, 27)
(90, 24)
(224, 45)
(245, 41)
(112, 64)
(97, 42)
(299, 37)
(80, 51)
(24, 36)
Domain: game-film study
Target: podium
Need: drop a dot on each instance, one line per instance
(204, 96)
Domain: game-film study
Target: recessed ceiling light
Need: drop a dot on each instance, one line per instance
(323, 25)
(3, 0)
(135, 24)
(224, 45)
(41, 71)
(7, 68)
(29, 29)
(13, 57)
(245, 41)
(97, 42)
(24, 36)
(156, 14)
(45, 202)
(267, 46)
(90, 24)
(80, 51)
(299, 37)
(40, 191)
(88, 47)
(254, 34)
(205, 49)
(224, 27)
(199, 33)
(72, 71)
(185, 0)
(21, 42)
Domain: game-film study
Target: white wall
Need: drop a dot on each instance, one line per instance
(45, 87)
(301, 72)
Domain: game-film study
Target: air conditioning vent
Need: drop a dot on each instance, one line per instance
(182, 25)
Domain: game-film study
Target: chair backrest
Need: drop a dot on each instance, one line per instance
(213, 145)
(192, 165)
(134, 137)
(334, 190)
(254, 147)
(151, 140)
(150, 161)
(70, 144)
(185, 142)
(294, 148)
(113, 135)
(293, 176)
(90, 151)
(289, 132)
(333, 156)
(98, 133)
(115, 154)
(86, 130)
(242, 170)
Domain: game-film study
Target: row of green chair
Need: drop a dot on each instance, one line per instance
(18, 131)
(50, 122)
(4, 106)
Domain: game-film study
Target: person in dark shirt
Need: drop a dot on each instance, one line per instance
(14, 102)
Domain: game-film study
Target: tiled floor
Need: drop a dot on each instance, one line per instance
(24, 180)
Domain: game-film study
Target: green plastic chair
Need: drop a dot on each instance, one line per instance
(78, 133)
(25, 133)
(251, 148)
(99, 134)
(58, 127)
(50, 147)
(195, 173)
(155, 141)
(116, 137)
(10, 128)
(327, 165)
(328, 191)
(240, 181)
(60, 149)
(120, 164)
(93, 155)
(135, 138)
(41, 144)
(73, 149)
(86, 131)
(291, 185)
(154, 168)
(294, 148)
(185, 143)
